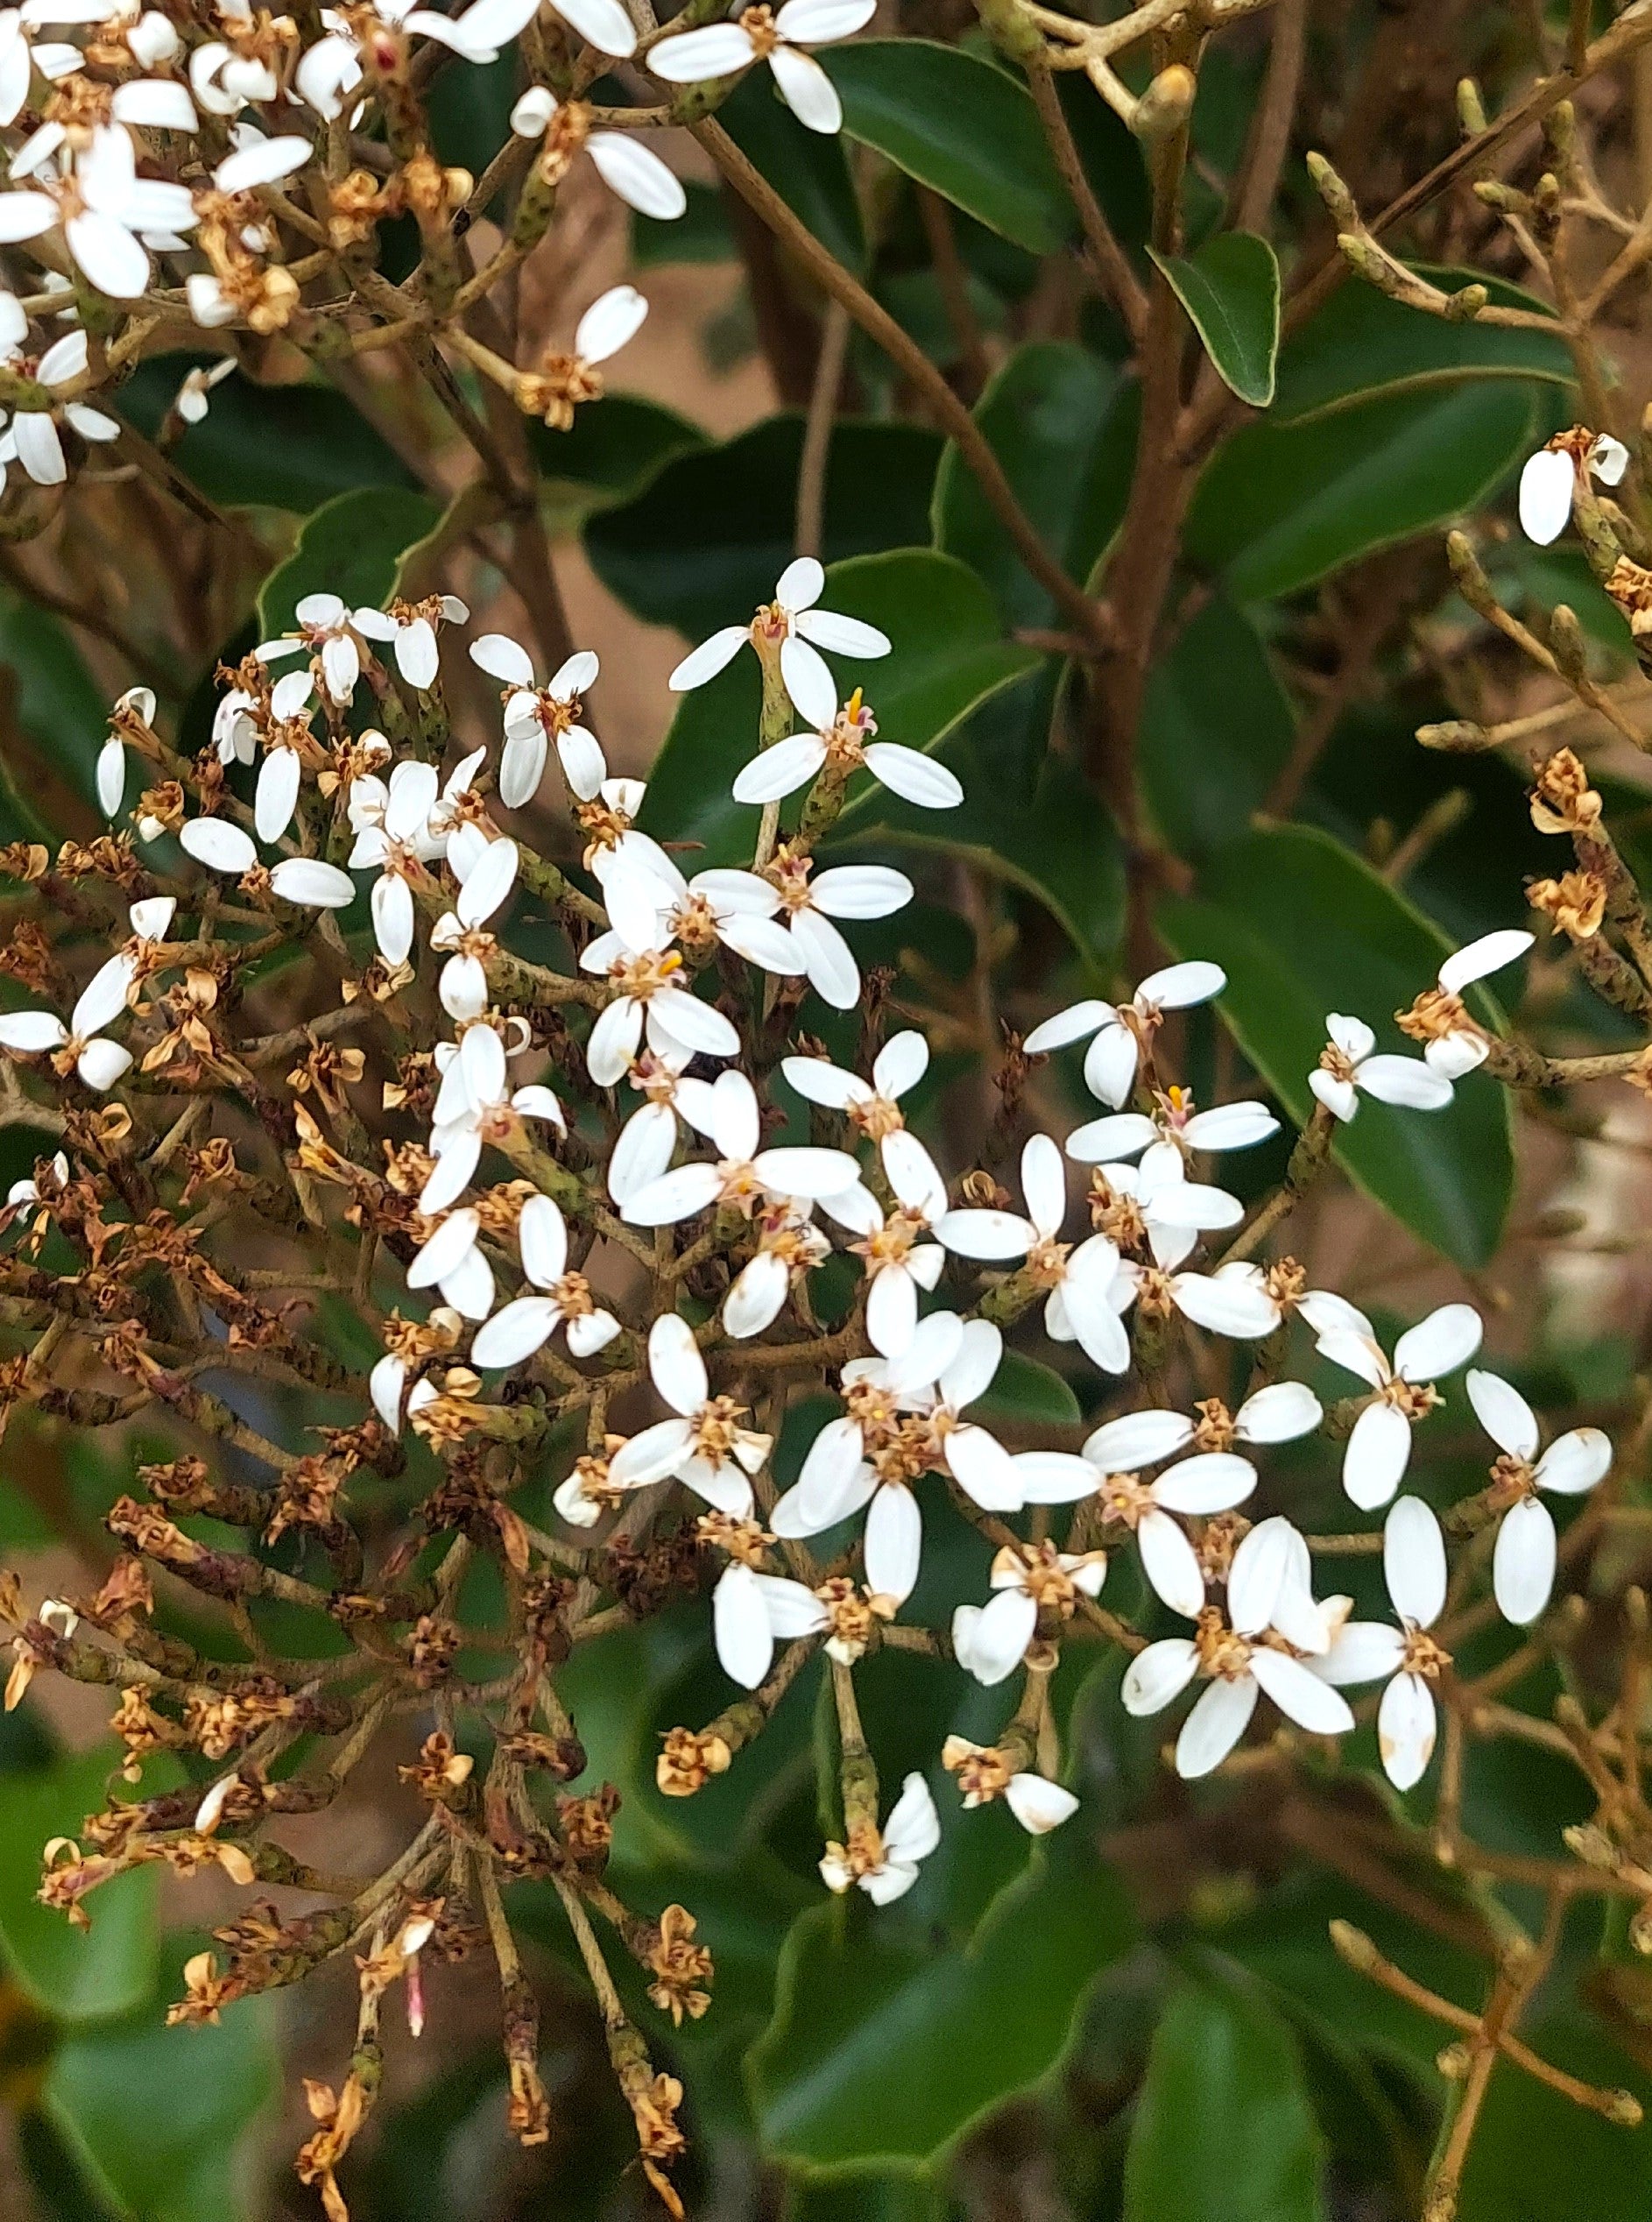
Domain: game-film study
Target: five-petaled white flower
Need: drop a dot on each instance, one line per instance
(1523, 1556)
(792, 623)
(1347, 1065)
(779, 37)
(1119, 1032)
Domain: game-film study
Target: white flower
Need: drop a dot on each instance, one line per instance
(281, 773)
(411, 626)
(1379, 1447)
(990, 1641)
(451, 1261)
(536, 715)
(1176, 1130)
(1240, 1301)
(521, 1327)
(111, 758)
(626, 166)
(788, 1246)
(790, 764)
(1039, 1804)
(224, 81)
(323, 628)
(1079, 1279)
(19, 59)
(811, 903)
(750, 1611)
(1347, 1065)
(1455, 1044)
(1365, 1651)
(485, 885)
(873, 1107)
(898, 1261)
(331, 70)
(102, 207)
(645, 1144)
(733, 907)
(98, 1061)
(31, 438)
(476, 1104)
(393, 835)
(1168, 1208)
(744, 1175)
(721, 49)
(1551, 478)
(704, 1445)
(649, 993)
(24, 1193)
(1524, 1557)
(1278, 1414)
(909, 1836)
(792, 620)
(1226, 1651)
(1121, 1031)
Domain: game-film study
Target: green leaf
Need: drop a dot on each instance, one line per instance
(78, 1975)
(1281, 505)
(1223, 2130)
(1301, 928)
(1216, 728)
(959, 125)
(353, 545)
(159, 2118)
(469, 111)
(1361, 342)
(702, 233)
(809, 170)
(704, 544)
(1229, 288)
(1026, 1389)
(611, 452)
(1060, 844)
(849, 2069)
(282, 447)
(60, 709)
(1537, 2157)
(1063, 425)
(947, 655)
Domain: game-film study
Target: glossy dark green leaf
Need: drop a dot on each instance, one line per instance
(947, 655)
(702, 233)
(160, 2118)
(849, 2069)
(1538, 2156)
(78, 1975)
(1025, 1389)
(1230, 289)
(60, 708)
(1360, 342)
(1060, 844)
(1302, 928)
(1223, 2131)
(283, 447)
(469, 110)
(704, 543)
(1063, 425)
(1217, 729)
(1283, 505)
(859, 2195)
(809, 170)
(958, 125)
(353, 545)
(611, 452)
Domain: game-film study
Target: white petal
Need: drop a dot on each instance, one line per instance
(1121, 1134)
(1301, 1694)
(983, 1469)
(1489, 955)
(1230, 1126)
(1179, 986)
(1262, 1563)
(710, 657)
(516, 1332)
(997, 1635)
(1378, 1451)
(502, 658)
(220, 847)
(1109, 1065)
(1363, 1650)
(916, 778)
(805, 1172)
(842, 635)
(807, 90)
(111, 776)
(912, 1174)
(613, 318)
(28, 1033)
(1279, 1413)
(744, 1640)
(801, 584)
(1351, 1035)
(605, 23)
(1038, 1805)
(1413, 1562)
(912, 1829)
(387, 1384)
(103, 996)
(1215, 1480)
(447, 1248)
(674, 1362)
(263, 161)
(316, 885)
(1233, 1304)
(1158, 1676)
(541, 1237)
(1503, 1413)
(391, 905)
(780, 770)
(1546, 486)
(1406, 1082)
(893, 1543)
(1171, 1564)
(488, 883)
(641, 179)
(1213, 1726)
(1405, 1729)
(985, 1234)
(112, 258)
(1070, 1025)
(1338, 1097)
(1575, 1462)
(1436, 1346)
(102, 1062)
(809, 681)
(892, 1309)
(1138, 1439)
(642, 1151)
(1055, 1477)
(860, 891)
(755, 1300)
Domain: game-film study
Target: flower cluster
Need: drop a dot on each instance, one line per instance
(623, 1211)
